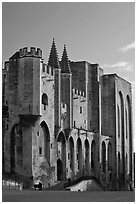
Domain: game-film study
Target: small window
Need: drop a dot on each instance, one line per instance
(80, 109)
(38, 133)
(74, 123)
(89, 96)
(45, 100)
(40, 151)
(7, 127)
(84, 121)
(90, 123)
(68, 156)
(43, 68)
(48, 69)
(51, 71)
(51, 145)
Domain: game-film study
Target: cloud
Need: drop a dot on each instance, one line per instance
(127, 47)
(120, 66)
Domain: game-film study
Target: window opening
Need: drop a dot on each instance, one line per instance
(80, 109)
(40, 151)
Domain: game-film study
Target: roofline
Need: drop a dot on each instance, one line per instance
(117, 77)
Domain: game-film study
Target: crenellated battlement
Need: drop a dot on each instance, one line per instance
(46, 70)
(78, 94)
(30, 52)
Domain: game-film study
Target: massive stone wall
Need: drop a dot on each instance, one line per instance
(99, 142)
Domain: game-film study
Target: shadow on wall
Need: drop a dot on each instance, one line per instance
(46, 175)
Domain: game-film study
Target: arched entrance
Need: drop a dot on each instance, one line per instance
(71, 147)
(44, 142)
(61, 162)
(59, 170)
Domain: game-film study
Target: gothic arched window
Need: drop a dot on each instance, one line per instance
(45, 100)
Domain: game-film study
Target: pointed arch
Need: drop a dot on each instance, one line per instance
(44, 100)
(122, 136)
(129, 130)
(45, 141)
(109, 155)
(119, 165)
(118, 120)
(61, 146)
(87, 155)
(93, 155)
(103, 156)
(79, 154)
(71, 147)
(59, 170)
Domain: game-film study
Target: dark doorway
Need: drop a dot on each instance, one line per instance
(103, 156)
(93, 155)
(59, 170)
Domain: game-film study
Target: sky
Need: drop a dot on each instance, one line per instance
(102, 33)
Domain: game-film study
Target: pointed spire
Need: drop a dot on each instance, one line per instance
(53, 57)
(65, 65)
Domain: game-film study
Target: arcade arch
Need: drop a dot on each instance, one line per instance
(71, 147)
(87, 155)
(61, 162)
(93, 155)
(44, 141)
(122, 136)
(109, 156)
(103, 156)
(79, 154)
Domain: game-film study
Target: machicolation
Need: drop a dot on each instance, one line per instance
(24, 52)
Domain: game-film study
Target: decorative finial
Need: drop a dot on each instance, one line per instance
(65, 66)
(53, 57)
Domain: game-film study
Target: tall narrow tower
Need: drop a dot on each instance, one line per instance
(53, 62)
(66, 86)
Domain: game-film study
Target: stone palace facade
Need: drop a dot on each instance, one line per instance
(65, 119)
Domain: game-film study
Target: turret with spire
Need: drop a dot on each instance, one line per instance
(65, 65)
(53, 62)
(66, 86)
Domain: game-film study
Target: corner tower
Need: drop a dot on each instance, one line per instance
(53, 62)
(66, 87)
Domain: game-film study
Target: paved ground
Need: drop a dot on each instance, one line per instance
(66, 196)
